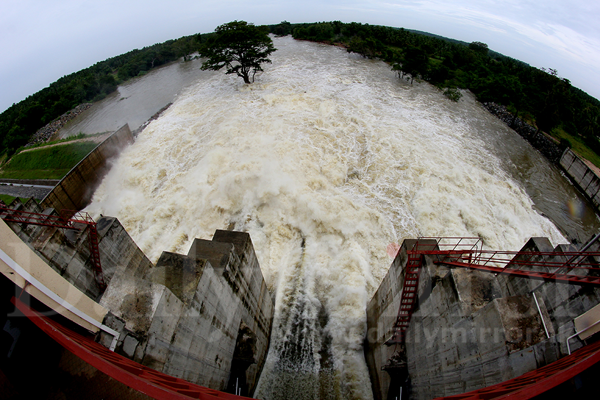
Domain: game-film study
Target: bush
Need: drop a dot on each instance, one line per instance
(453, 94)
(565, 143)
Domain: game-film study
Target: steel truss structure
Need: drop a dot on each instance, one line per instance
(68, 220)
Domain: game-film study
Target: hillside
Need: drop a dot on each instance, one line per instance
(540, 97)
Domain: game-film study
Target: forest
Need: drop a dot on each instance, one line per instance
(20, 121)
(538, 96)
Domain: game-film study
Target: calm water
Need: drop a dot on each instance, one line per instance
(137, 100)
(326, 160)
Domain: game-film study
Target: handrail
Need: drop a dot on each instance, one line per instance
(59, 300)
(578, 333)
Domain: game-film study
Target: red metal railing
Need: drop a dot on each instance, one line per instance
(67, 219)
(139, 377)
(410, 288)
(580, 267)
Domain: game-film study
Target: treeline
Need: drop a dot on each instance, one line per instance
(538, 96)
(20, 121)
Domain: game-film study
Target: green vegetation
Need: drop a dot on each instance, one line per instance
(238, 46)
(453, 94)
(20, 121)
(80, 135)
(46, 162)
(539, 96)
(9, 199)
(576, 144)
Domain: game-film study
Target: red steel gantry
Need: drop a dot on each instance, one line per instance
(467, 252)
(68, 219)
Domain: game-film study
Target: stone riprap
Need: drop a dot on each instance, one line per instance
(46, 133)
(547, 146)
(23, 191)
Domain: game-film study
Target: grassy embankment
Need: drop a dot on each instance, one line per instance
(577, 145)
(46, 162)
(9, 199)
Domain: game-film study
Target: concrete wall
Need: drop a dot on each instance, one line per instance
(382, 312)
(471, 329)
(16, 251)
(205, 317)
(76, 189)
(582, 175)
(561, 302)
(68, 251)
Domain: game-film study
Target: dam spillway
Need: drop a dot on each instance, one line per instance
(469, 329)
(325, 161)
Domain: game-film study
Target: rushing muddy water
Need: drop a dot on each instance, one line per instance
(326, 160)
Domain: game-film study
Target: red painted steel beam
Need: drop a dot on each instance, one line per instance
(540, 380)
(141, 378)
(66, 220)
(547, 276)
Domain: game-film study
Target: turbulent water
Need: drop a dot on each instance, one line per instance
(326, 160)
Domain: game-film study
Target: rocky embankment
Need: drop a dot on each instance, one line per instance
(547, 146)
(136, 132)
(44, 134)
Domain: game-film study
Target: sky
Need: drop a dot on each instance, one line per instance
(43, 40)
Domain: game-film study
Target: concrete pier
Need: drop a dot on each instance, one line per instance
(470, 329)
(209, 325)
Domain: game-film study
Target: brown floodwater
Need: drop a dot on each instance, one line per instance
(326, 160)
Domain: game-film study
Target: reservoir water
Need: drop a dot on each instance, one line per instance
(326, 160)
(135, 101)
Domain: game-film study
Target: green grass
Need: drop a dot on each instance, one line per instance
(9, 199)
(577, 145)
(46, 163)
(80, 135)
(35, 174)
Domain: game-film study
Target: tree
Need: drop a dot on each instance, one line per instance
(416, 62)
(239, 46)
(479, 47)
(368, 48)
(283, 29)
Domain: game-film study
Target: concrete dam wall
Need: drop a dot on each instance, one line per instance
(204, 317)
(471, 329)
(583, 176)
(75, 190)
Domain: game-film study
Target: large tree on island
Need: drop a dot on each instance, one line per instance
(239, 46)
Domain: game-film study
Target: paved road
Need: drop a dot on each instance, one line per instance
(36, 191)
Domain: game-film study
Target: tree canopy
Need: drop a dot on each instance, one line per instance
(240, 47)
(20, 121)
(539, 96)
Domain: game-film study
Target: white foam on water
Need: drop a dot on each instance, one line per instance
(325, 160)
